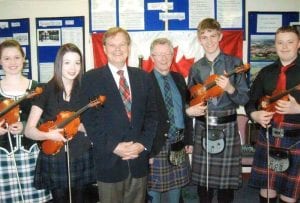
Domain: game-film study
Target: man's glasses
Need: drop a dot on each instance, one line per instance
(162, 55)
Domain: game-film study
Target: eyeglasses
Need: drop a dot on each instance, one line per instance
(162, 55)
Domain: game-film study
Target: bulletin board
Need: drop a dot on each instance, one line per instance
(18, 29)
(159, 15)
(51, 34)
(261, 37)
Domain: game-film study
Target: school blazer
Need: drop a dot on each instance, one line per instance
(108, 125)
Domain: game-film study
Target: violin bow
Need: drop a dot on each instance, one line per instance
(207, 159)
(15, 164)
(268, 163)
(69, 171)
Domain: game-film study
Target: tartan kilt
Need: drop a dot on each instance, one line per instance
(224, 168)
(286, 183)
(52, 170)
(9, 188)
(164, 176)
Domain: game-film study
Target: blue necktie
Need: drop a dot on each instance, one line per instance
(169, 106)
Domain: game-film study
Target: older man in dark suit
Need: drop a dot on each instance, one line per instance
(122, 130)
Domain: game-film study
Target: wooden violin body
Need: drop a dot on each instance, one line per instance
(12, 116)
(210, 89)
(202, 93)
(10, 108)
(268, 103)
(69, 122)
(70, 130)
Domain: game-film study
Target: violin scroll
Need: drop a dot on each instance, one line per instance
(100, 100)
(35, 92)
(242, 69)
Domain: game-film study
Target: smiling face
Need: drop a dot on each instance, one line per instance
(287, 45)
(162, 57)
(71, 66)
(210, 39)
(117, 49)
(12, 60)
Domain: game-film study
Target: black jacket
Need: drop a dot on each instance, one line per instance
(163, 119)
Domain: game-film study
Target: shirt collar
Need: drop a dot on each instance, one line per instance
(114, 69)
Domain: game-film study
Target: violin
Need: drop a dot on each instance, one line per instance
(10, 108)
(67, 120)
(210, 89)
(268, 103)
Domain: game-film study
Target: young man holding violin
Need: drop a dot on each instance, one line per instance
(216, 162)
(278, 143)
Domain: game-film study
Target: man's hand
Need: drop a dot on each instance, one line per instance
(196, 110)
(189, 149)
(129, 150)
(287, 107)
(224, 82)
(262, 117)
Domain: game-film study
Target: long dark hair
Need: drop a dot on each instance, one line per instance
(57, 78)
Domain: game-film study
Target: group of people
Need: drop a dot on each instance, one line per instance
(135, 144)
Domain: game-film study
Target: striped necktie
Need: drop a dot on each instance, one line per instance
(125, 93)
(169, 106)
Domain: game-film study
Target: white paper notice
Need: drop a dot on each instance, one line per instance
(131, 14)
(46, 71)
(103, 14)
(73, 35)
(268, 23)
(3, 25)
(198, 10)
(172, 16)
(22, 38)
(230, 13)
(50, 23)
(163, 6)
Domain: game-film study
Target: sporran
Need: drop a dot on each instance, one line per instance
(216, 141)
(279, 159)
(177, 155)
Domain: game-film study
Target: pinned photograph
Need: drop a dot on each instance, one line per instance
(49, 37)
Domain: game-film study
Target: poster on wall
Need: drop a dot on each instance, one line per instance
(51, 34)
(261, 35)
(19, 30)
(157, 15)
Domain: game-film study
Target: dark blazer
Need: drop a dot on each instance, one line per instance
(108, 125)
(163, 118)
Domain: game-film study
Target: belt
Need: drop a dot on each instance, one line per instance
(177, 137)
(213, 120)
(179, 132)
(281, 132)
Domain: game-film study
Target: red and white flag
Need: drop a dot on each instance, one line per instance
(187, 49)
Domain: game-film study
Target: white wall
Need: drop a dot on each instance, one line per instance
(10, 9)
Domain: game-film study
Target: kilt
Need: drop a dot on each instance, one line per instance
(9, 188)
(286, 183)
(163, 176)
(52, 170)
(224, 168)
